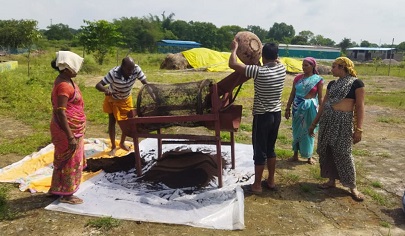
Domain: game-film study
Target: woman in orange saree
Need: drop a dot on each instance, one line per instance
(67, 127)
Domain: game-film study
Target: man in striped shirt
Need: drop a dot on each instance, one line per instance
(117, 86)
(268, 86)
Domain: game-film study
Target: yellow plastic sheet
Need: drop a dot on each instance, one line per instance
(214, 61)
(34, 172)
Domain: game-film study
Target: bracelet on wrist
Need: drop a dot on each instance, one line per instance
(359, 130)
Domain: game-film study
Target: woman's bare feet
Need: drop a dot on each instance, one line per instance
(311, 161)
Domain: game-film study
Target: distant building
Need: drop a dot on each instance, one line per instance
(370, 53)
(302, 51)
(176, 46)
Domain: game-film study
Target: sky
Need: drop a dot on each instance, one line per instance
(379, 22)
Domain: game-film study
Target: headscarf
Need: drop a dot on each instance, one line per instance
(312, 62)
(347, 63)
(70, 60)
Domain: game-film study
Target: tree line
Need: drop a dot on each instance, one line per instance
(141, 34)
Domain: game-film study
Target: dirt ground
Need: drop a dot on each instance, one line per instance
(298, 208)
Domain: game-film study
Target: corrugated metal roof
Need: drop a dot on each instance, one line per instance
(179, 42)
(369, 49)
(308, 47)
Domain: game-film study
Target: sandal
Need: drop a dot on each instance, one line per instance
(357, 196)
(71, 200)
(248, 189)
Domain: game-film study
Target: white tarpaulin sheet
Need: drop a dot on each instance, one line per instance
(120, 196)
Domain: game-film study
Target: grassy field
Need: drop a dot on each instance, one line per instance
(26, 98)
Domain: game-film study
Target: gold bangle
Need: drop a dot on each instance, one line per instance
(61, 108)
(358, 129)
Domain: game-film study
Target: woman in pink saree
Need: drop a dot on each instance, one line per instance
(67, 127)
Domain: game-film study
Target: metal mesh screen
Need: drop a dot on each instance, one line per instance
(179, 99)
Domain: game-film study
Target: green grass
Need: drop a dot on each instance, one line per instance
(5, 212)
(378, 197)
(104, 223)
(361, 152)
(315, 172)
(376, 184)
(26, 98)
(390, 120)
(392, 99)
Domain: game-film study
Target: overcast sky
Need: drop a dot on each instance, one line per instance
(373, 20)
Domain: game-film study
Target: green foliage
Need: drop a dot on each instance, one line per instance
(344, 44)
(104, 223)
(18, 33)
(320, 40)
(99, 37)
(281, 31)
(59, 32)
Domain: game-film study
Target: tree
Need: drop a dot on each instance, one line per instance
(226, 35)
(167, 21)
(204, 33)
(181, 29)
(344, 44)
(59, 32)
(320, 40)
(257, 30)
(18, 33)
(308, 35)
(281, 32)
(401, 47)
(365, 43)
(99, 37)
(299, 40)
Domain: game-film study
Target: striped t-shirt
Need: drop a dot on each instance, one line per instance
(268, 86)
(119, 86)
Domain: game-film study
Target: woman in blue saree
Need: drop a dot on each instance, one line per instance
(305, 97)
